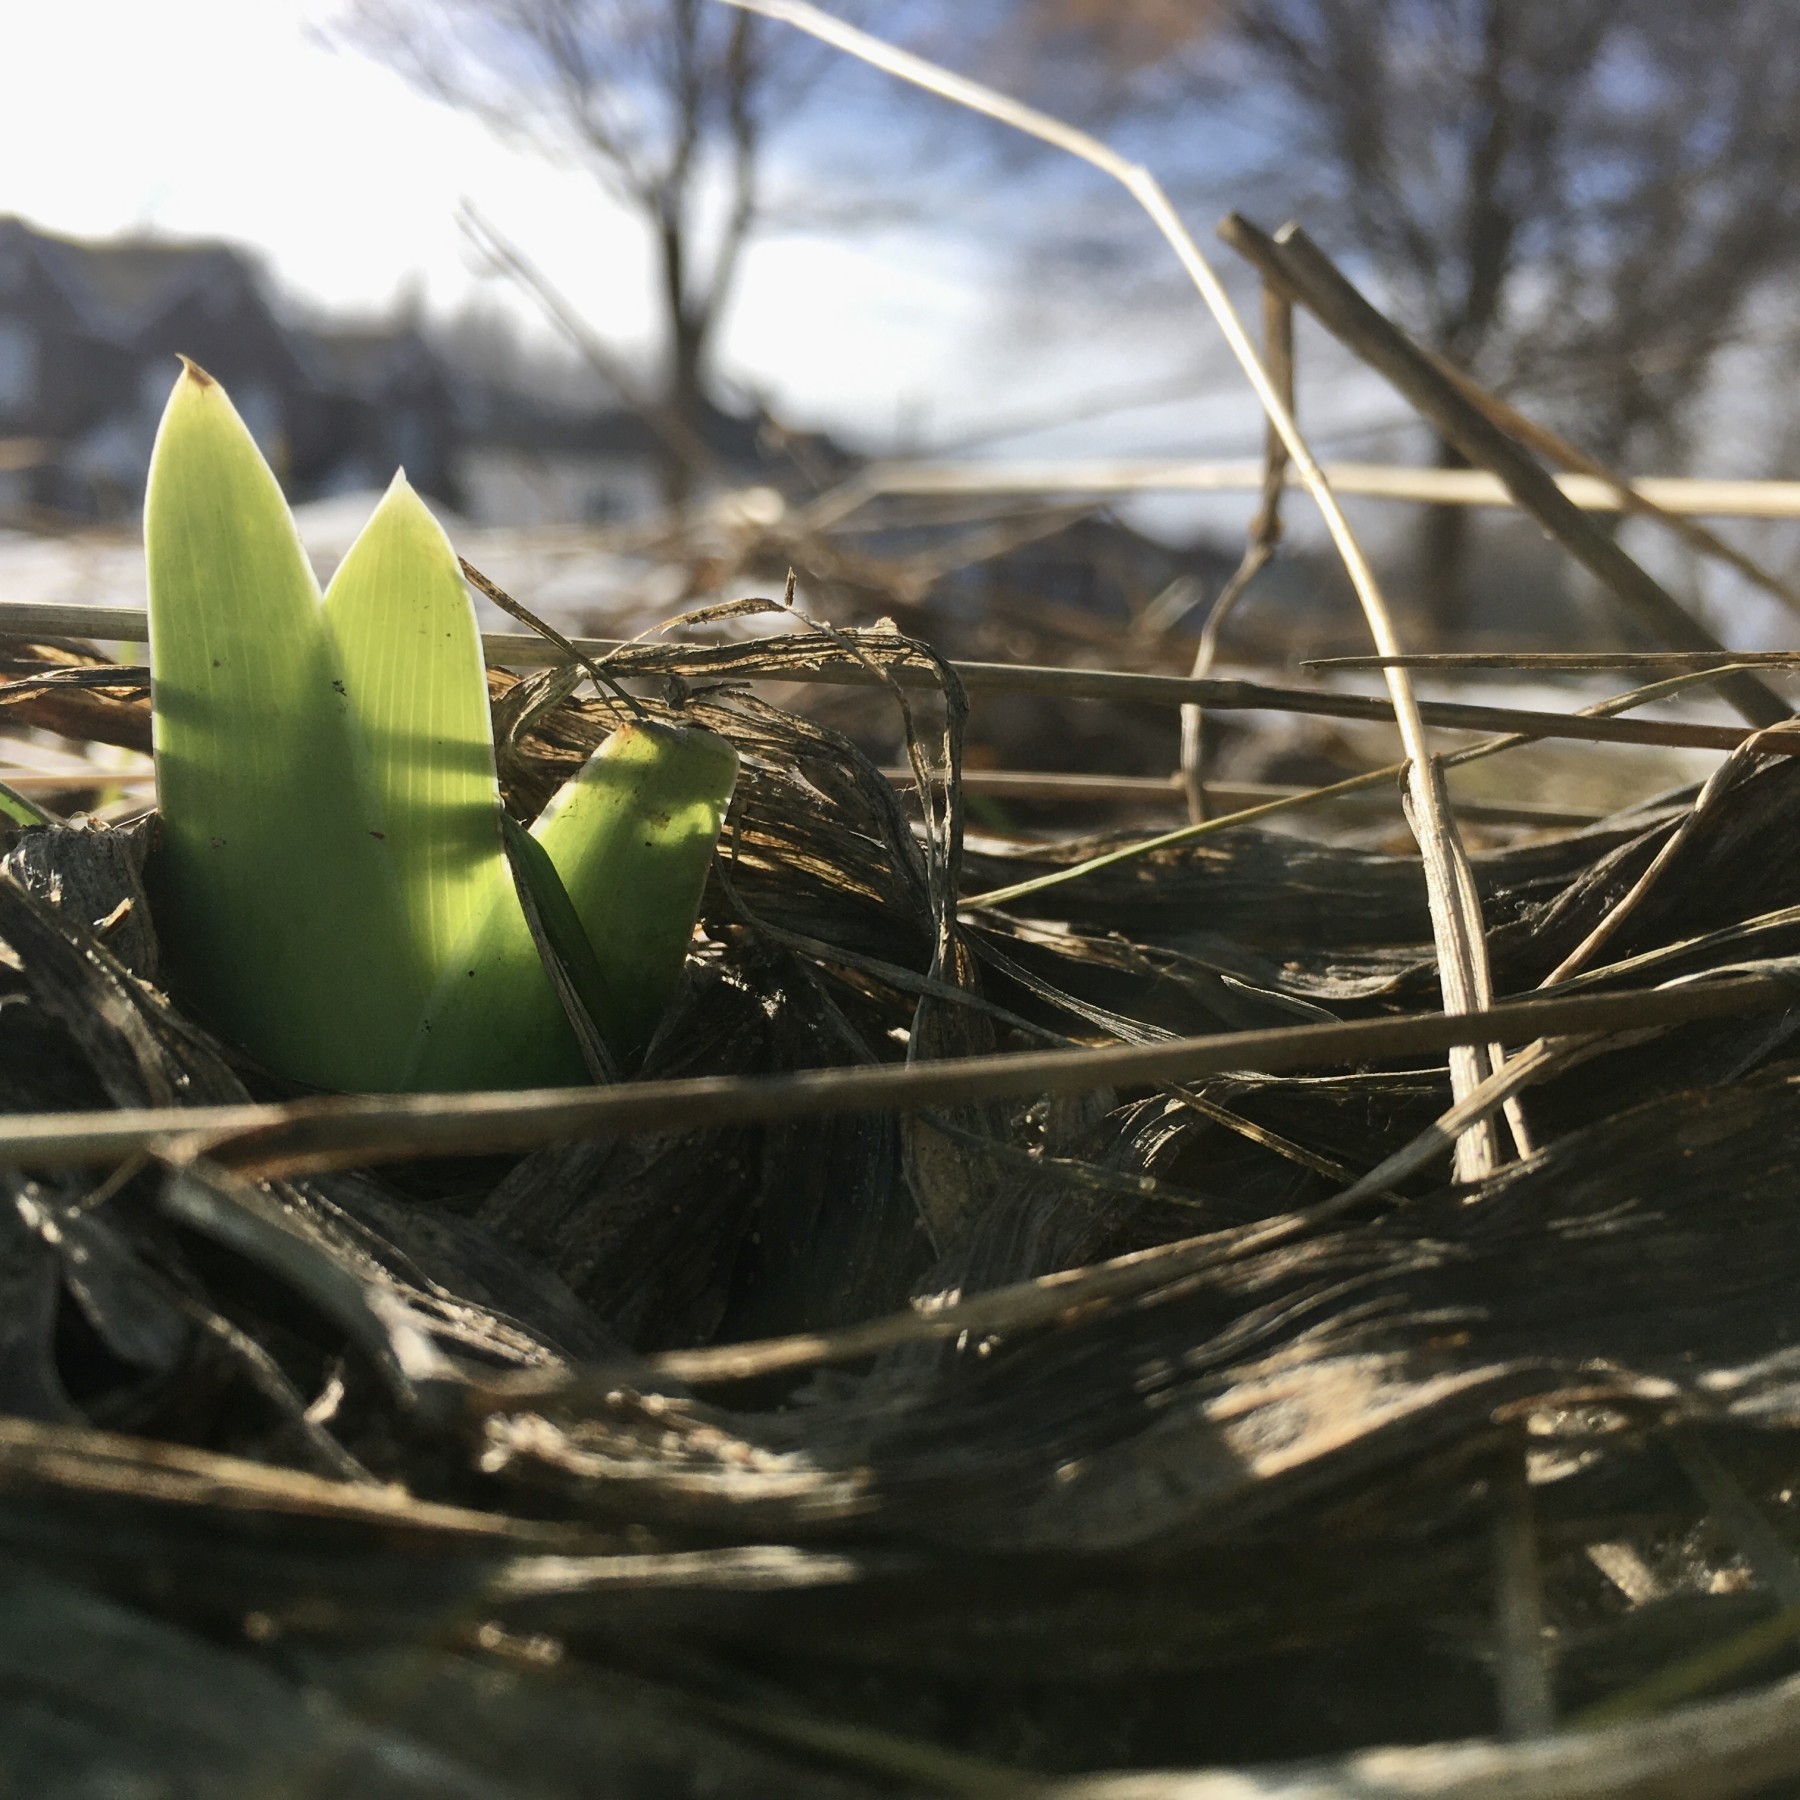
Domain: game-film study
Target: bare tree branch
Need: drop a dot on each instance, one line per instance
(668, 103)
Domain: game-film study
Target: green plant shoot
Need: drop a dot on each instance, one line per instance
(331, 886)
(641, 818)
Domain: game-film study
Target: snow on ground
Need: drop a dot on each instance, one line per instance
(572, 577)
(558, 572)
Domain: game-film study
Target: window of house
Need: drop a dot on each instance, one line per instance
(18, 365)
(410, 441)
(259, 406)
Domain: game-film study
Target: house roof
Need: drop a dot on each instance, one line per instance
(119, 285)
(132, 283)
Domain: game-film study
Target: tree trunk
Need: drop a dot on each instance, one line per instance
(687, 399)
(685, 393)
(1443, 563)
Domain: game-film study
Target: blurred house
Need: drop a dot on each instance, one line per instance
(1097, 568)
(529, 461)
(380, 399)
(89, 332)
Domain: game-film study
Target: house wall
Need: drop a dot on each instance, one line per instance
(506, 486)
(57, 377)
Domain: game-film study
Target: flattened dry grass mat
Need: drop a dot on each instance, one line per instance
(1069, 1430)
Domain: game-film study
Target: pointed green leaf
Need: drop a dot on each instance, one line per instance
(276, 898)
(410, 660)
(632, 837)
(493, 1020)
(332, 887)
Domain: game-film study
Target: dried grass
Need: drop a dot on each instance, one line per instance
(1018, 1337)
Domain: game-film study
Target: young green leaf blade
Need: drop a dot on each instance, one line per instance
(275, 898)
(562, 944)
(632, 837)
(409, 657)
(16, 809)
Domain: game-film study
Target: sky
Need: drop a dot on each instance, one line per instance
(237, 119)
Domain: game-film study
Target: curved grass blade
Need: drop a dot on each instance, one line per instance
(275, 891)
(632, 837)
(16, 809)
(562, 945)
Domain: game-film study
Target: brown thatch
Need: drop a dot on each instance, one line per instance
(435, 1480)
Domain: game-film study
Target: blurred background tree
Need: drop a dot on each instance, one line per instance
(672, 105)
(1582, 202)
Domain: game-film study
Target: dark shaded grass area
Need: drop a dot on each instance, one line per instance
(376, 1485)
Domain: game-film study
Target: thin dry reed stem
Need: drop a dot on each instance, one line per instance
(351, 1131)
(1461, 944)
(1293, 261)
(1259, 552)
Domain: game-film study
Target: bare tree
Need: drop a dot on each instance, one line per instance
(670, 104)
(1583, 202)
